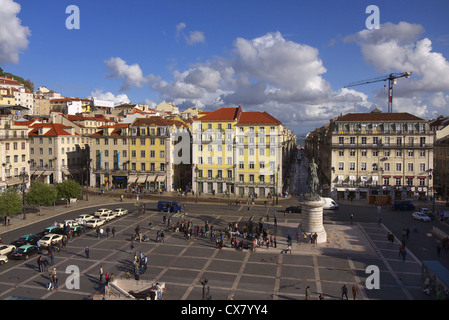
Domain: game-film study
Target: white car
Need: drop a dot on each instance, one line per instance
(120, 212)
(50, 238)
(421, 216)
(70, 223)
(6, 249)
(99, 212)
(3, 259)
(93, 223)
(107, 216)
(82, 217)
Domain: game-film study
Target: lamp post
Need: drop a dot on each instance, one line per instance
(196, 179)
(23, 194)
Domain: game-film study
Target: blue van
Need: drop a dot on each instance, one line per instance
(403, 205)
(172, 206)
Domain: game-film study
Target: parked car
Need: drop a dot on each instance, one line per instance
(3, 259)
(53, 229)
(26, 239)
(82, 217)
(330, 204)
(294, 209)
(120, 212)
(24, 252)
(421, 216)
(68, 223)
(6, 249)
(99, 212)
(50, 238)
(107, 216)
(77, 230)
(93, 223)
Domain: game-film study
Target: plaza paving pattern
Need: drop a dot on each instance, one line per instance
(240, 275)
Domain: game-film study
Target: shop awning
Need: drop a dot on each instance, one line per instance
(38, 172)
(141, 179)
(151, 178)
(65, 171)
(47, 173)
(132, 178)
(160, 179)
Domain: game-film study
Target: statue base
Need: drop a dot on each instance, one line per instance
(312, 217)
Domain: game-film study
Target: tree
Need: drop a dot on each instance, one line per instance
(41, 194)
(10, 202)
(69, 189)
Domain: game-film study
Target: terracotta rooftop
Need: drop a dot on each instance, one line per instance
(56, 129)
(222, 114)
(256, 117)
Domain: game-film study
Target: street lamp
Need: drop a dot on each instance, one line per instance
(196, 179)
(23, 194)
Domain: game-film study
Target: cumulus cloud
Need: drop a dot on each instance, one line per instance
(109, 96)
(132, 75)
(192, 37)
(13, 36)
(400, 48)
(267, 73)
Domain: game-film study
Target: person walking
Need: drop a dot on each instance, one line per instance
(355, 290)
(87, 252)
(101, 273)
(344, 292)
(113, 231)
(107, 231)
(40, 263)
(308, 293)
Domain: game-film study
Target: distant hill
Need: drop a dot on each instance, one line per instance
(27, 83)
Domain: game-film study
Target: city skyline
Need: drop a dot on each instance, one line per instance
(291, 59)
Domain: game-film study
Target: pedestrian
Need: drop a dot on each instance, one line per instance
(55, 282)
(132, 247)
(355, 290)
(87, 252)
(298, 240)
(97, 230)
(352, 216)
(107, 231)
(101, 273)
(113, 231)
(307, 293)
(275, 242)
(40, 263)
(344, 292)
(52, 257)
(107, 278)
(101, 232)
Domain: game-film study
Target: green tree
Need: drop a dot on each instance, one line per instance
(10, 202)
(41, 194)
(69, 189)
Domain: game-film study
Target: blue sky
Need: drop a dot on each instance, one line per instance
(289, 58)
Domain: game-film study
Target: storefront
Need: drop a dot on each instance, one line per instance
(120, 182)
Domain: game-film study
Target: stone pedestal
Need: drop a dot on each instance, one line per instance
(312, 217)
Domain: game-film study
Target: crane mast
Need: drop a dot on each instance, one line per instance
(392, 79)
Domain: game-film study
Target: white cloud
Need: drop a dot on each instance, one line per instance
(193, 37)
(267, 73)
(132, 75)
(398, 48)
(109, 96)
(13, 36)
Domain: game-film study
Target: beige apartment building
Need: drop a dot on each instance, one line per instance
(365, 154)
(14, 154)
(56, 152)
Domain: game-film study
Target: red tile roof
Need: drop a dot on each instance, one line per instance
(256, 117)
(222, 114)
(56, 129)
